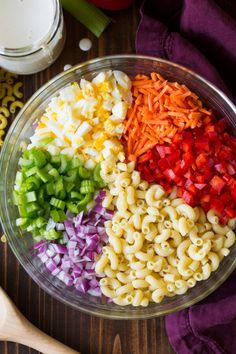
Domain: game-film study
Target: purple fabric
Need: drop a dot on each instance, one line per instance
(195, 33)
(200, 35)
(208, 327)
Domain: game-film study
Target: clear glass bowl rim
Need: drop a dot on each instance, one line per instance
(106, 314)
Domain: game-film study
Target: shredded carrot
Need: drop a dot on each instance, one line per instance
(160, 110)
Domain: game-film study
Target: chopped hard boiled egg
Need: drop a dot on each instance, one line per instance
(86, 118)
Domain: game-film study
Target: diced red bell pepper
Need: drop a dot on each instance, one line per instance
(177, 169)
(169, 173)
(167, 186)
(227, 178)
(200, 186)
(208, 174)
(188, 158)
(190, 175)
(223, 219)
(217, 205)
(200, 179)
(147, 175)
(192, 189)
(202, 144)
(177, 139)
(179, 181)
(153, 164)
(231, 169)
(188, 197)
(173, 158)
(231, 142)
(201, 160)
(225, 197)
(205, 206)
(187, 134)
(209, 128)
(233, 192)
(231, 213)
(187, 145)
(213, 136)
(205, 198)
(217, 184)
(146, 157)
(198, 132)
(220, 167)
(163, 164)
(162, 150)
(221, 125)
(226, 154)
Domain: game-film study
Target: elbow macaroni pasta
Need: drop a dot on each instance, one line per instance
(158, 246)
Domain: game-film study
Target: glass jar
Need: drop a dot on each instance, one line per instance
(44, 41)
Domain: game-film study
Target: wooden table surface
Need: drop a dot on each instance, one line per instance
(89, 335)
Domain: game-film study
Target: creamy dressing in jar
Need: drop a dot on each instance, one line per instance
(32, 34)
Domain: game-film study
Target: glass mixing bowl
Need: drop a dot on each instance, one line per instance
(22, 129)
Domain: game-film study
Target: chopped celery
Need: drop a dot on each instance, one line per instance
(38, 156)
(57, 203)
(71, 176)
(46, 186)
(83, 172)
(32, 171)
(88, 14)
(31, 196)
(87, 186)
(45, 177)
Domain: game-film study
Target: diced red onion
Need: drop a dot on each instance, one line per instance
(101, 195)
(39, 244)
(50, 225)
(60, 226)
(84, 237)
(51, 265)
(71, 245)
(65, 237)
(50, 252)
(61, 275)
(108, 214)
(95, 292)
(57, 259)
(99, 210)
(42, 249)
(55, 272)
(61, 249)
(43, 257)
(85, 221)
(101, 229)
(94, 283)
(69, 227)
(78, 219)
(68, 280)
(69, 215)
(90, 265)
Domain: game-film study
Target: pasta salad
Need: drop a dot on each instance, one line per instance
(128, 188)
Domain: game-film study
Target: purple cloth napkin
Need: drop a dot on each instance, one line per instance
(195, 33)
(200, 35)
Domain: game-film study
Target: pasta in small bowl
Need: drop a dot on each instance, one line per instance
(117, 187)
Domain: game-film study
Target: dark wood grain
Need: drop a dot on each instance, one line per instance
(87, 334)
